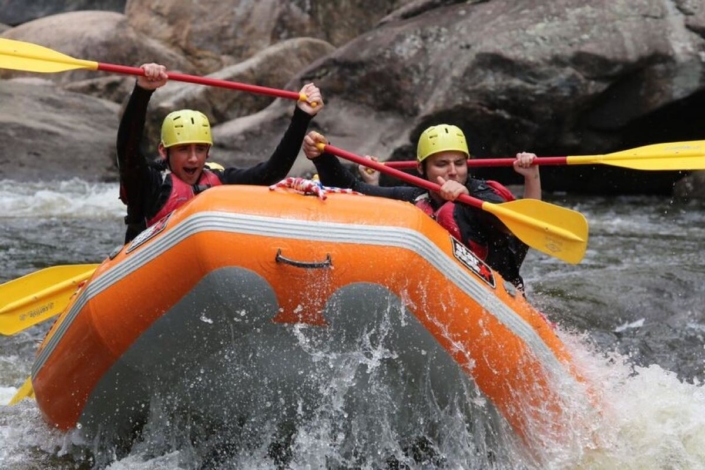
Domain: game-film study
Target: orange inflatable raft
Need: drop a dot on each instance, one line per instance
(250, 299)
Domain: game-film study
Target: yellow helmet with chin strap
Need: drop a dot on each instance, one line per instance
(441, 138)
(186, 126)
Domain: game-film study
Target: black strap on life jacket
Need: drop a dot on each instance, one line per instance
(136, 220)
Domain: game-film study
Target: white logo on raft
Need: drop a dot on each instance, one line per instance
(472, 262)
(149, 233)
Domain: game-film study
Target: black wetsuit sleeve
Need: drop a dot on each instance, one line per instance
(332, 173)
(280, 162)
(139, 182)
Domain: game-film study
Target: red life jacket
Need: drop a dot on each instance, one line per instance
(501, 190)
(444, 215)
(182, 192)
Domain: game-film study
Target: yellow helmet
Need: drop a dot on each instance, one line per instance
(441, 138)
(186, 127)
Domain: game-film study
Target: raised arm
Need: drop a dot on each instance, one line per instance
(532, 178)
(280, 162)
(131, 163)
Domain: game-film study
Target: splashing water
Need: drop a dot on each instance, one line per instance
(60, 199)
(639, 290)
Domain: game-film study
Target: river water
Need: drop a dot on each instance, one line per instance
(632, 313)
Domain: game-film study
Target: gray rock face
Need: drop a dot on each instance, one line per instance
(564, 77)
(215, 34)
(93, 36)
(270, 68)
(557, 78)
(54, 134)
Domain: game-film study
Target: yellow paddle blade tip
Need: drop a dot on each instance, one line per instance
(550, 229)
(28, 57)
(25, 391)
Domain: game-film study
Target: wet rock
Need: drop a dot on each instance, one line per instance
(94, 36)
(55, 134)
(215, 34)
(556, 78)
(691, 187)
(271, 68)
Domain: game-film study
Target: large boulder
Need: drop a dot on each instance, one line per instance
(54, 134)
(252, 139)
(215, 34)
(271, 68)
(558, 78)
(94, 36)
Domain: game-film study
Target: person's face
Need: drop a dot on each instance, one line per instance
(187, 161)
(450, 165)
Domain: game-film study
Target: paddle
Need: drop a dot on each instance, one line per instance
(36, 297)
(25, 391)
(27, 57)
(33, 298)
(656, 157)
(551, 229)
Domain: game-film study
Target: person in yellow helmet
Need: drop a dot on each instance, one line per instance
(152, 191)
(442, 154)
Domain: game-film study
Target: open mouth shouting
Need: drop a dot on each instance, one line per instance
(190, 174)
(187, 161)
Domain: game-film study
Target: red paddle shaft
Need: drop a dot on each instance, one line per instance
(478, 162)
(180, 77)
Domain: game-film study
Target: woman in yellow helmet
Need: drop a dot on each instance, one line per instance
(153, 191)
(442, 154)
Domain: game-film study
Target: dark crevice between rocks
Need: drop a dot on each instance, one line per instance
(614, 121)
(682, 120)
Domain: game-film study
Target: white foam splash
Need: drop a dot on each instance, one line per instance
(6, 394)
(60, 199)
(633, 325)
(650, 419)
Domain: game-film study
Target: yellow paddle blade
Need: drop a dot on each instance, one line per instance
(18, 55)
(551, 229)
(671, 156)
(25, 391)
(35, 297)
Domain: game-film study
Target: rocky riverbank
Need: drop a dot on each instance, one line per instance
(554, 77)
